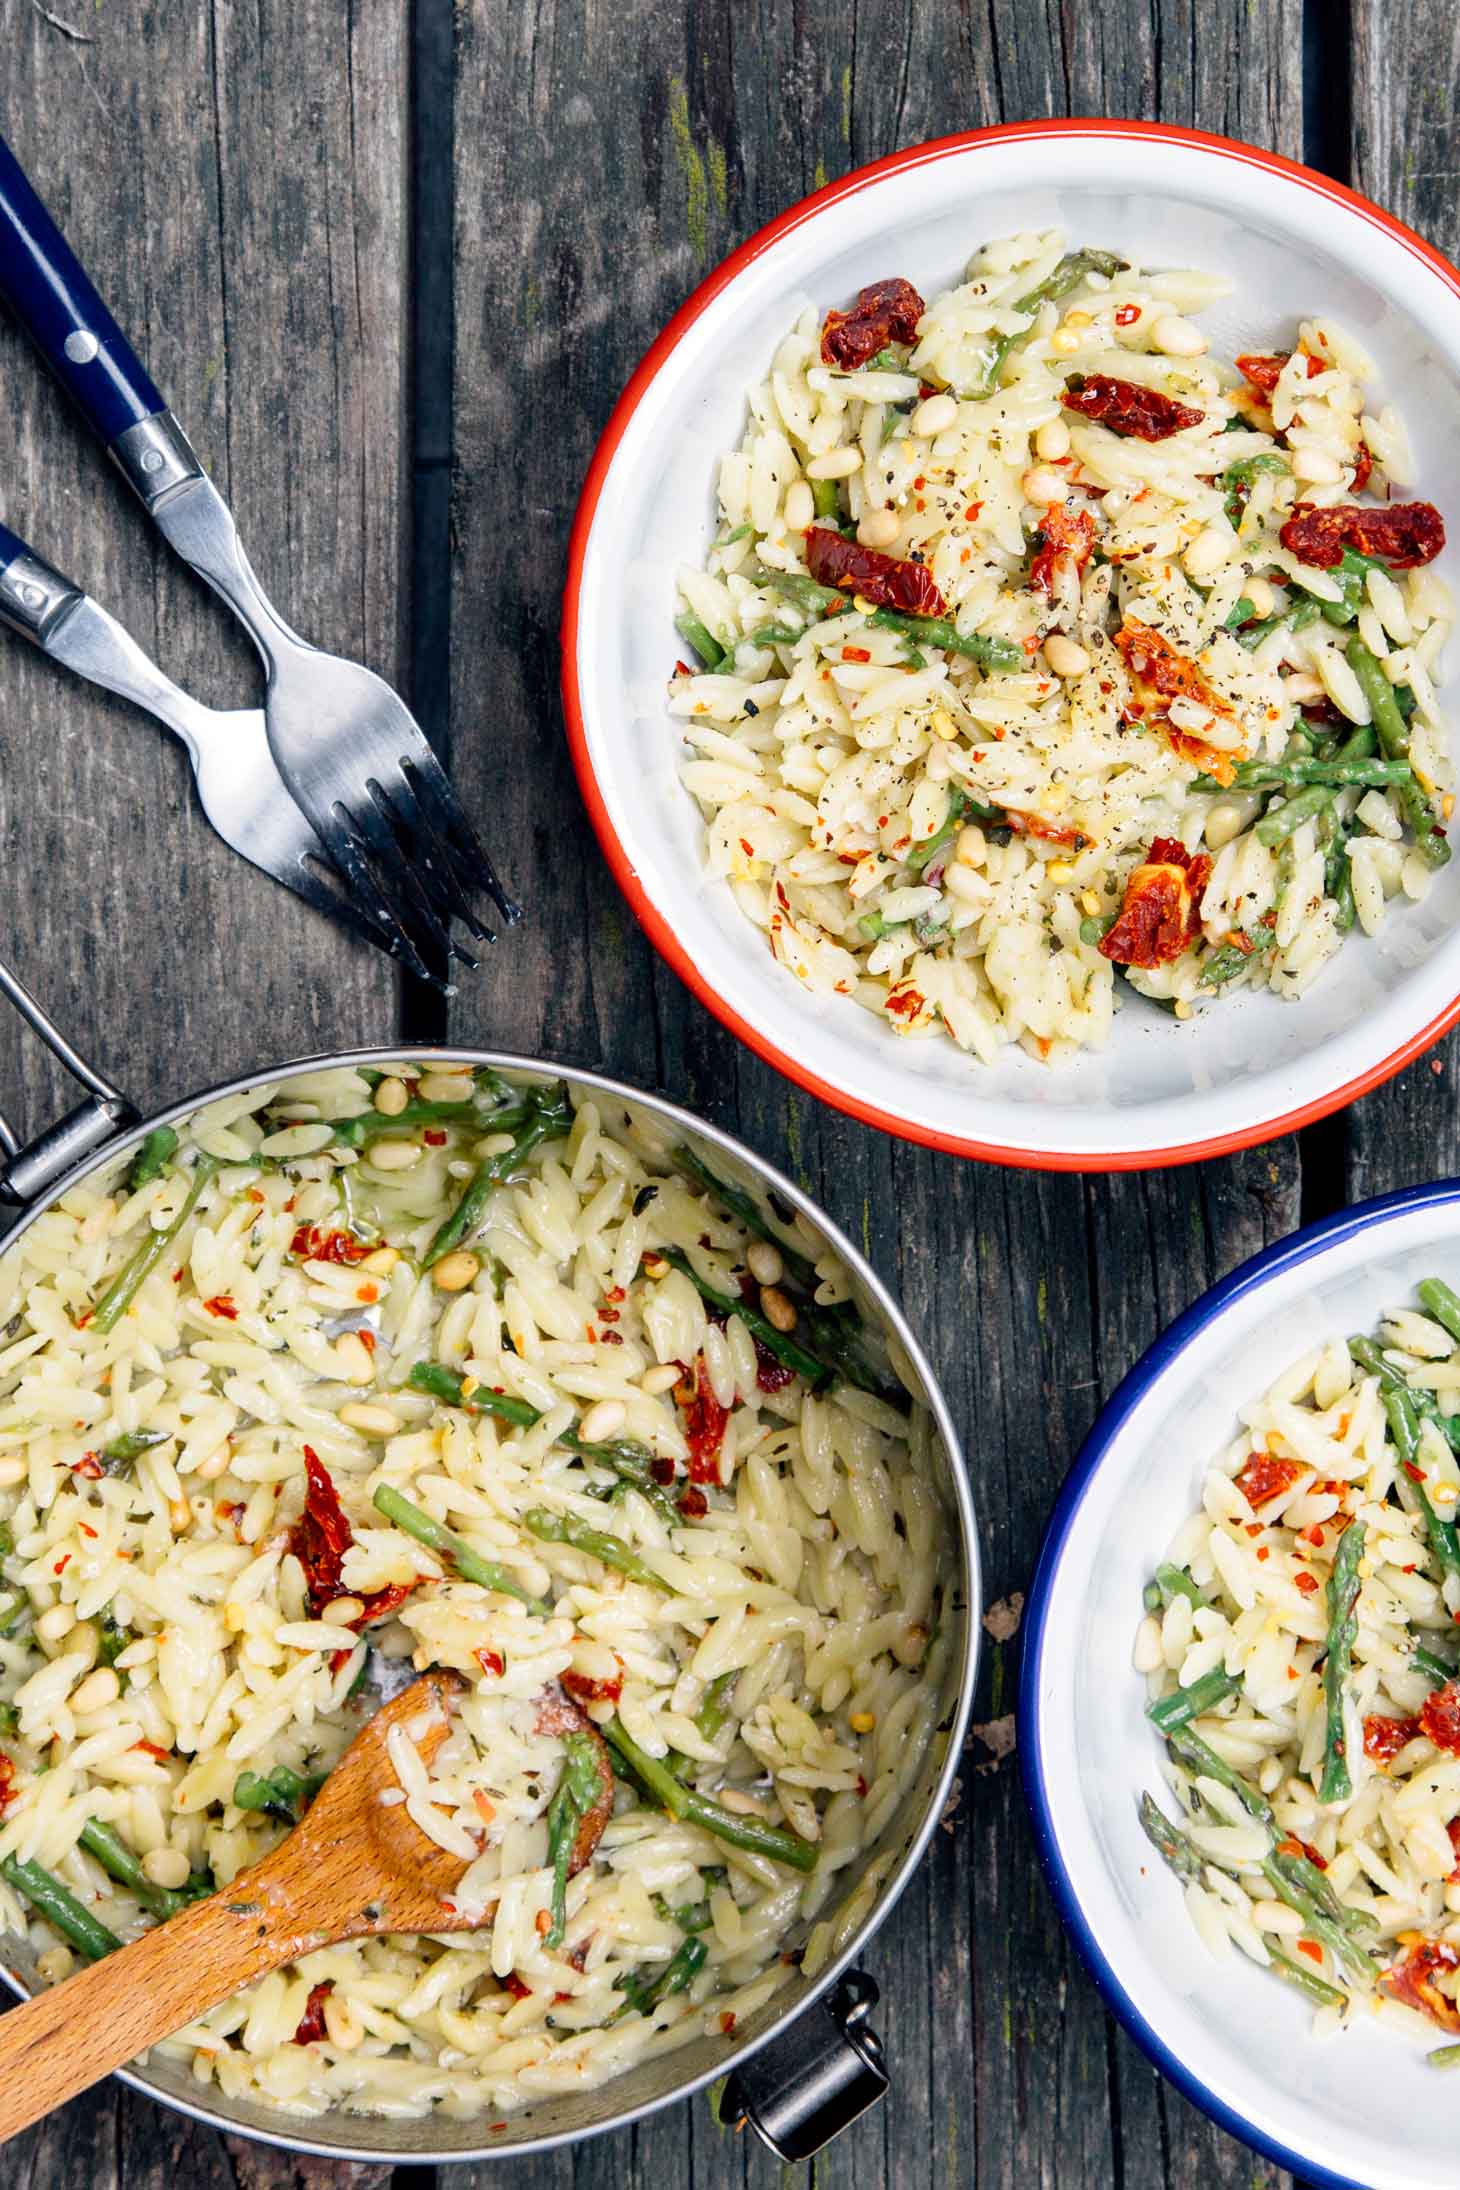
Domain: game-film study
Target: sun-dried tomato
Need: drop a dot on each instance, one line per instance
(1403, 534)
(1141, 414)
(1264, 373)
(1048, 832)
(1064, 533)
(771, 1375)
(584, 1689)
(1363, 465)
(1161, 675)
(1263, 1477)
(1160, 914)
(887, 581)
(1411, 1978)
(885, 311)
(311, 1243)
(704, 1423)
(694, 1505)
(7, 1782)
(321, 1536)
(1385, 1737)
(311, 2022)
(1439, 1717)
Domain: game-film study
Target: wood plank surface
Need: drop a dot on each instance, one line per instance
(238, 176)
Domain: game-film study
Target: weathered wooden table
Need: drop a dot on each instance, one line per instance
(393, 267)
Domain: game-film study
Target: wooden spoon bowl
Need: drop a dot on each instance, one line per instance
(354, 1866)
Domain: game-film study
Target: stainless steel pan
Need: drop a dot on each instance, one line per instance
(810, 2063)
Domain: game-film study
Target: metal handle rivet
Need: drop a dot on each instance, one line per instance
(152, 460)
(81, 347)
(31, 596)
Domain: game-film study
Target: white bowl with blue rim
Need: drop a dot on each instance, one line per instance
(1360, 2107)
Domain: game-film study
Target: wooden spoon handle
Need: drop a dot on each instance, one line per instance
(73, 2034)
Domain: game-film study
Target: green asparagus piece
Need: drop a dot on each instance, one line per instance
(1297, 618)
(369, 1125)
(773, 635)
(817, 1373)
(577, 1792)
(989, 653)
(1433, 1668)
(1237, 481)
(961, 808)
(812, 598)
(468, 1563)
(130, 1279)
(1441, 1302)
(9, 1720)
(743, 1204)
(1343, 1626)
(1306, 1980)
(1281, 822)
(116, 1457)
(113, 1854)
(631, 1462)
(675, 1976)
(1229, 960)
(1174, 1581)
(1201, 1758)
(1170, 1843)
(152, 1158)
(1241, 612)
(1379, 775)
(50, 1899)
(1280, 1874)
(1393, 735)
(825, 499)
(549, 1115)
(690, 1916)
(1403, 1409)
(1068, 275)
(564, 1528)
(699, 640)
(671, 1794)
(1185, 1704)
(714, 1705)
(112, 1637)
(1443, 2057)
(282, 1793)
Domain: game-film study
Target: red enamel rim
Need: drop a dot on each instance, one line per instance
(660, 933)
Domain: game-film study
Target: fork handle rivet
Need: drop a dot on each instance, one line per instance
(81, 346)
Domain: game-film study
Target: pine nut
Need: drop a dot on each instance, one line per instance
(445, 1087)
(54, 1964)
(662, 1378)
(1052, 439)
(1065, 657)
(1208, 552)
(381, 1260)
(1148, 1653)
(52, 1625)
(777, 1309)
(1261, 595)
(395, 1155)
(344, 2026)
(765, 1262)
(352, 1358)
(342, 1611)
(369, 1421)
(167, 1867)
(836, 464)
(1064, 341)
(1174, 336)
(180, 1516)
(95, 1692)
(603, 1420)
(878, 528)
(453, 1273)
(1042, 485)
(800, 506)
(935, 414)
(391, 1098)
(216, 1464)
(970, 849)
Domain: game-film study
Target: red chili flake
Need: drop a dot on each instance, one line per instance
(1385, 1737)
(1313, 1536)
(885, 311)
(313, 1244)
(311, 2022)
(222, 1305)
(1439, 1717)
(321, 1536)
(1263, 1477)
(88, 1465)
(885, 580)
(694, 1505)
(1293, 1846)
(771, 1375)
(704, 1423)
(583, 1689)
(434, 1137)
(1412, 1977)
(1404, 534)
(662, 1470)
(1311, 1948)
(151, 1749)
(973, 511)
(727, 2021)
(85, 1530)
(1263, 1552)
(905, 1004)
(861, 1785)
(1306, 1583)
(1048, 832)
(1453, 1829)
(491, 1661)
(615, 1294)
(1415, 1474)
(84, 1318)
(1127, 315)
(1363, 465)
(1252, 1528)
(1067, 535)
(1128, 409)
(7, 1782)
(856, 654)
(368, 1293)
(367, 1340)
(513, 1983)
(1160, 914)
(62, 1563)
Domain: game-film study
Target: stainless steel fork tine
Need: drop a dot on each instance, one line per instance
(349, 853)
(437, 795)
(405, 810)
(394, 871)
(436, 903)
(310, 882)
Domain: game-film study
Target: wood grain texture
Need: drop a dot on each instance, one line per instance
(606, 158)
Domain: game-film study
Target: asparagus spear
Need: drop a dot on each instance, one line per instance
(632, 1463)
(989, 653)
(113, 1854)
(50, 1899)
(1185, 1704)
(1343, 1626)
(283, 1793)
(681, 1801)
(1306, 1980)
(133, 1274)
(564, 1528)
(700, 640)
(1441, 1302)
(468, 1563)
(369, 1125)
(1171, 1844)
(152, 1158)
(1069, 273)
(818, 1373)
(1393, 735)
(744, 1205)
(676, 1975)
(549, 1115)
(1201, 1759)
(1403, 1409)
(577, 1793)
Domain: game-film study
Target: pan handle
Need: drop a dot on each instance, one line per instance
(816, 2078)
(27, 1169)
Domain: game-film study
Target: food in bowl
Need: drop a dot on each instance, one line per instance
(1299, 1645)
(392, 1368)
(1036, 645)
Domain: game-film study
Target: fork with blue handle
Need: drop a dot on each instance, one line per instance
(351, 756)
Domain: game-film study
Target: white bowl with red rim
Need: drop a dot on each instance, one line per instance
(1294, 244)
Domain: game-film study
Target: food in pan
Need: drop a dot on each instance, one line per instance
(392, 1366)
(1037, 645)
(1300, 1651)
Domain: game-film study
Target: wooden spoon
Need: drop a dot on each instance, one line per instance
(353, 1867)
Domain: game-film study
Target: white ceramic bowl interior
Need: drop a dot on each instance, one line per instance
(1292, 245)
(1361, 2106)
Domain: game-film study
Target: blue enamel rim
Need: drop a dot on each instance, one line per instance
(1250, 1277)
